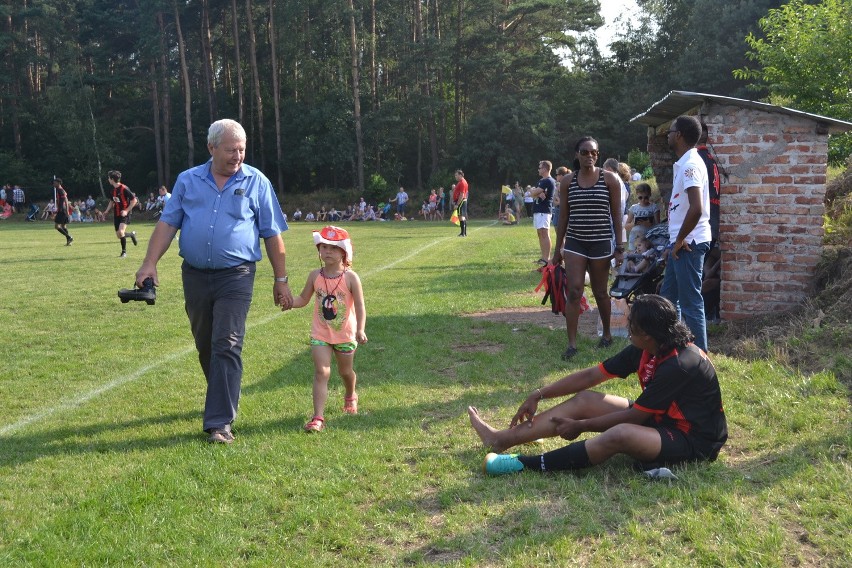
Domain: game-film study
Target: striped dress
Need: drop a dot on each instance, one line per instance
(589, 216)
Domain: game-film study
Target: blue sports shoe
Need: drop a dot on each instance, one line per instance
(501, 464)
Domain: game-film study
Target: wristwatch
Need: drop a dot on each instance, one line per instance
(283, 279)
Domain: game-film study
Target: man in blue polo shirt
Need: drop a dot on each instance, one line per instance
(222, 209)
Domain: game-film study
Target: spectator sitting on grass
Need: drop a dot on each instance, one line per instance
(677, 418)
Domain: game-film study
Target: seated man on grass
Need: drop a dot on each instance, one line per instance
(677, 418)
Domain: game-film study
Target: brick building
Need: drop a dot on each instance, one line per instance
(772, 163)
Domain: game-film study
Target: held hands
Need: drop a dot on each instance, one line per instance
(282, 296)
(526, 412)
(567, 428)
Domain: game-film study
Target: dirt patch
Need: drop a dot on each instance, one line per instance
(540, 317)
(810, 337)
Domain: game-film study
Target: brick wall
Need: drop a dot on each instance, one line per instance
(771, 207)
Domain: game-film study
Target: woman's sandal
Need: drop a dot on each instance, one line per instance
(316, 424)
(350, 404)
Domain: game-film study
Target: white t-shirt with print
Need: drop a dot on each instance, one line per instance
(689, 171)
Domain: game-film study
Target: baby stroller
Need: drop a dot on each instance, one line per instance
(628, 285)
(34, 209)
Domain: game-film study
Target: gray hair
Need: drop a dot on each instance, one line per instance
(219, 129)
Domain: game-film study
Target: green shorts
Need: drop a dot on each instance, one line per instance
(348, 347)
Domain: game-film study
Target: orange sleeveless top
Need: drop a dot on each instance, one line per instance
(334, 314)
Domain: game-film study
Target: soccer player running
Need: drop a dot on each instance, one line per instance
(123, 202)
(62, 209)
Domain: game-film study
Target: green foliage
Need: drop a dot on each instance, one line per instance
(377, 188)
(805, 57)
(638, 159)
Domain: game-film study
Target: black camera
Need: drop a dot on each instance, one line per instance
(146, 293)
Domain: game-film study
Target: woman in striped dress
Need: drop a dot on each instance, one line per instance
(589, 218)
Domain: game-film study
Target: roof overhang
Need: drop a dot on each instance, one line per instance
(677, 103)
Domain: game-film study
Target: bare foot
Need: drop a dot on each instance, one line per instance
(486, 433)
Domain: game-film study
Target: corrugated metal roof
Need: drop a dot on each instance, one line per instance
(678, 102)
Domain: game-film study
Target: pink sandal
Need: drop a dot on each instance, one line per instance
(350, 404)
(317, 424)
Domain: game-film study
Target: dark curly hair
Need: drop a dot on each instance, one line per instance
(657, 317)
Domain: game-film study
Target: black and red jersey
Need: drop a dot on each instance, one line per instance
(121, 198)
(679, 389)
(62, 200)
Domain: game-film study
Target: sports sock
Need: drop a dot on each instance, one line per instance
(572, 456)
(123, 244)
(63, 231)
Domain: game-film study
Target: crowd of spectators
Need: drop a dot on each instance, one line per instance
(397, 208)
(13, 200)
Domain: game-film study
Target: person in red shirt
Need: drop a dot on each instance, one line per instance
(460, 201)
(63, 209)
(123, 202)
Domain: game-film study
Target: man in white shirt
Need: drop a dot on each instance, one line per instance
(689, 227)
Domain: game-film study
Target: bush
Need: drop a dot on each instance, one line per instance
(838, 208)
(377, 189)
(639, 160)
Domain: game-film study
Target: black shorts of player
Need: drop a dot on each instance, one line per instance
(589, 249)
(677, 447)
(463, 208)
(116, 221)
(61, 218)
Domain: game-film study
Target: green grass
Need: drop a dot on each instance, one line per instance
(102, 461)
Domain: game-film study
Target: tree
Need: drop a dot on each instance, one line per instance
(806, 61)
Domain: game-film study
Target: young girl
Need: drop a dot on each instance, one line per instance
(339, 319)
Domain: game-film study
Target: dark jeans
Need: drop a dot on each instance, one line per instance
(217, 303)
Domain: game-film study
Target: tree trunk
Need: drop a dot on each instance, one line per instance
(276, 98)
(442, 97)
(184, 71)
(356, 96)
(426, 88)
(207, 55)
(374, 72)
(167, 102)
(238, 67)
(14, 91)
(155, 103)
(258, 96)
(457, 78)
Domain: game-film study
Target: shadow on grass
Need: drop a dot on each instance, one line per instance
(23, 448)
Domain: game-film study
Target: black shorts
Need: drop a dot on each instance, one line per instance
(116, 221)
(677, 447)
(590, 249)
(61, 218)
(462, 208)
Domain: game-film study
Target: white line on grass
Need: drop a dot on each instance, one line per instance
(85, 397)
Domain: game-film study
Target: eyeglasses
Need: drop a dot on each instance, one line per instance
(585, 152)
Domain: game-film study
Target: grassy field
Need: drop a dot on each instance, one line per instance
(102, 461)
